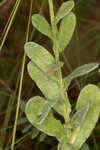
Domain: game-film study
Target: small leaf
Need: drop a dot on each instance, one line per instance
(84, 69)
(50, 126)
(26, 128)
(45, 110)
(35, 133)
(22, 105)
(42, 137)
(80, 71)
(92, 93)
(80, 115)
(66, 30)
(64, 10)
(40, 23)
(54, 67)
(21, 121)
(40, 56)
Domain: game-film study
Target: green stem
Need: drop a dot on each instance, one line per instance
(21, 81)
(56, 52)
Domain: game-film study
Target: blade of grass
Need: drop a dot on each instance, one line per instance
(21, 80)
(10, 20)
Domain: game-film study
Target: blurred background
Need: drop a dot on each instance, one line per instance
(83, 48)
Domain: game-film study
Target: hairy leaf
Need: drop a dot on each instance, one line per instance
(41, 57)
(66, 30)
(50, 126)
(40, 23)
(92, 93)
(84, 69)
(65, 8)
(80, 71)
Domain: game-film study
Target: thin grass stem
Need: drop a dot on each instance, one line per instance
(21, 80)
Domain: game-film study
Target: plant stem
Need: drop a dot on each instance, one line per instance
(56, 52)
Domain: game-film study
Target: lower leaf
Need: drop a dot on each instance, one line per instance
(50, 126)
(89, 93)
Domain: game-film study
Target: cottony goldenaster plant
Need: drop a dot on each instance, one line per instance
(45, 70)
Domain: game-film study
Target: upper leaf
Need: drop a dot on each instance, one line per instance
(65, 8)
(40, 23)
(50, 126)
(92, 93)
(40, 56)
(66, 30)
(79, 71)
(84, 69)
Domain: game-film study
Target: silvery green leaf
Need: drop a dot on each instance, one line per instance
(41, 57)
(40, 23)
(50, 126)
(65, 8)
(66, 30)
(84, 69)
(92, 93)
(79, 71)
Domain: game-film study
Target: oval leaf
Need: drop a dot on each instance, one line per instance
(41, 57)
(40, 23)
(79, 71)
(84, 69)
(65, 8)
(50, 126)
(66, 30)
(92, 93)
